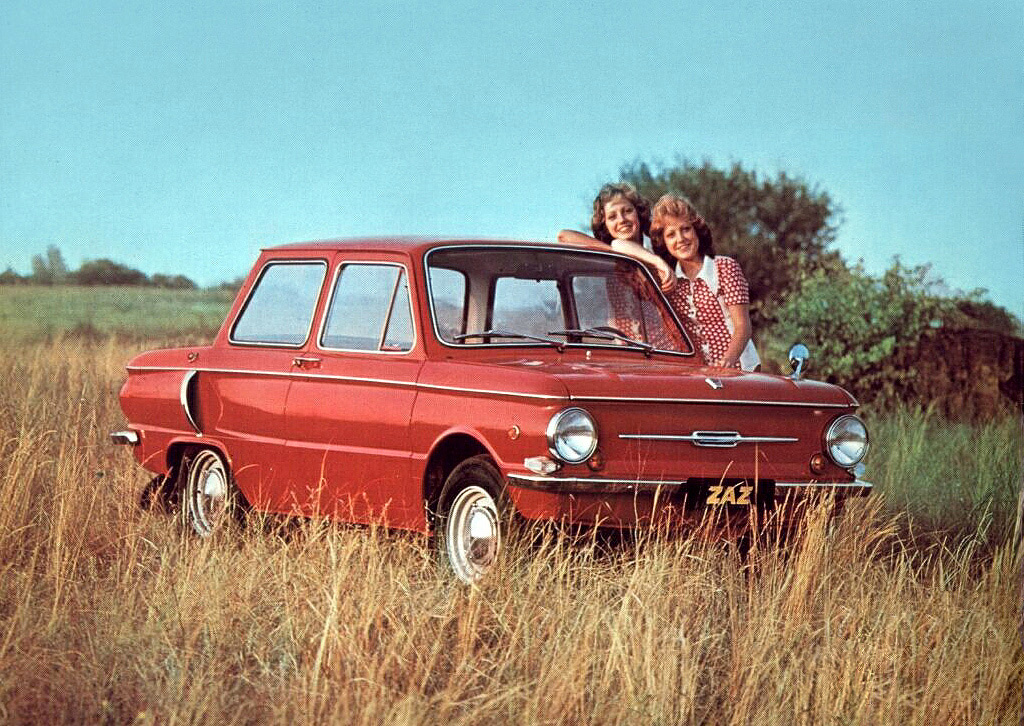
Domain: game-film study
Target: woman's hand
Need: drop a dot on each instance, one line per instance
(727, 361)
(666, 277)
(740, 315)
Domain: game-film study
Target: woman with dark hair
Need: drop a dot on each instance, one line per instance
(711, 296)
(621, 219)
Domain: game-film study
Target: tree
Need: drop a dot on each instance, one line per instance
(778, 229)
(49, 270)
(108, 272)
(10, 277)
(986, 315)
(55, 263)
(173, 282)
(863, 329)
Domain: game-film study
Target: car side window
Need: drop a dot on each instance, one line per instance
(370, 310)
(448, 296)
(280, 307)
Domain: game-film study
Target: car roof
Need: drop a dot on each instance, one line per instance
(415, 245)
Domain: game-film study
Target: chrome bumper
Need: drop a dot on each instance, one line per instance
(599, 485)
(125, 438)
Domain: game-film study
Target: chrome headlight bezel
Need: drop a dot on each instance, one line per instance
(846, 441)
(572, 435)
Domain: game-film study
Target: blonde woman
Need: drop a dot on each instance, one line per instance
(711, 296)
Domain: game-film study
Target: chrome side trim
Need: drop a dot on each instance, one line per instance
(716, 439)
(579, 485)
(856, 484)
(127, 438)
(185, 383)
(349, 379)
(484, 391)
(716, 402)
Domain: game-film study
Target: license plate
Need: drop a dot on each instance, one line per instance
(740, 495)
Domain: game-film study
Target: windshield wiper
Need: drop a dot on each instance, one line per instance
(509, 334)
(607, 334)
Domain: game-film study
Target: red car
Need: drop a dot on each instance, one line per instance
(444, 385)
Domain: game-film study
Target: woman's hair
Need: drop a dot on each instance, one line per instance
(608, 193)
(681, 208)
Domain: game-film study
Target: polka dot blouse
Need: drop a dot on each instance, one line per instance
(698, 307)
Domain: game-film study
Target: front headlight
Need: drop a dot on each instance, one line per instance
(572, 435)
(846, 441)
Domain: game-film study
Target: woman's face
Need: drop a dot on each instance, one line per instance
(621, 219)
(681, 239)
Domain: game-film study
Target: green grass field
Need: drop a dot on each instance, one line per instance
(29, 312)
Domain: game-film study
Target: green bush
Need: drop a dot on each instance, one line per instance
(861, 329)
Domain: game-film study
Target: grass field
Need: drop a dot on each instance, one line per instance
(29, 312)
(905, 613)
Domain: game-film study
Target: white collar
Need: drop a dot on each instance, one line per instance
(708, 273)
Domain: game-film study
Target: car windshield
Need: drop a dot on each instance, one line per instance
(510, 295)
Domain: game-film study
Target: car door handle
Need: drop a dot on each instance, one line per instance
(306, 362)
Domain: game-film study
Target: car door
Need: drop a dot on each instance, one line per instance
(350, 405)
(240, 387)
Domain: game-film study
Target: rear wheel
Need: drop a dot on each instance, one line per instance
(208, 490)
(472, 518)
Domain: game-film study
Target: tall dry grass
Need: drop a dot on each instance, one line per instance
(110, 614)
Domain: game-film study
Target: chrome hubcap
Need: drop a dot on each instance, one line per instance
(474, 533)
(214, 485)
(208, 488)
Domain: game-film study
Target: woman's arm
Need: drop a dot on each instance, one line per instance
(740, 315)
(666, 276)
(572, 237)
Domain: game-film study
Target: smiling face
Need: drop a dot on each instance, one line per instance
(681, 240)
(622, 219)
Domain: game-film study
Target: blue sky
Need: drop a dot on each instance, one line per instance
(182, 137)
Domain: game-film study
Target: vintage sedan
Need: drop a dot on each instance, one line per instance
(446, 386)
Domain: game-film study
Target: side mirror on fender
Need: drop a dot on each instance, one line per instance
(798, 356)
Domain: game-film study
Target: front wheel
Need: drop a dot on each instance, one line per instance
(472, 513)
(208, 490)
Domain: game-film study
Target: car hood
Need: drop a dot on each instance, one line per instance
(654, 381)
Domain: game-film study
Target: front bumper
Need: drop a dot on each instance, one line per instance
(600, 485)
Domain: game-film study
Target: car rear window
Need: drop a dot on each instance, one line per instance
(280, 307)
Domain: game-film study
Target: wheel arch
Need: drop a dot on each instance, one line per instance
(177, 448)
(448, 451)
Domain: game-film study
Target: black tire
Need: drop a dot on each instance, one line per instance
(210, 499)
(160, 492)
(473, 516)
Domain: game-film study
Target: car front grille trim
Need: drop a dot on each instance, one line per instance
(713, 439)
